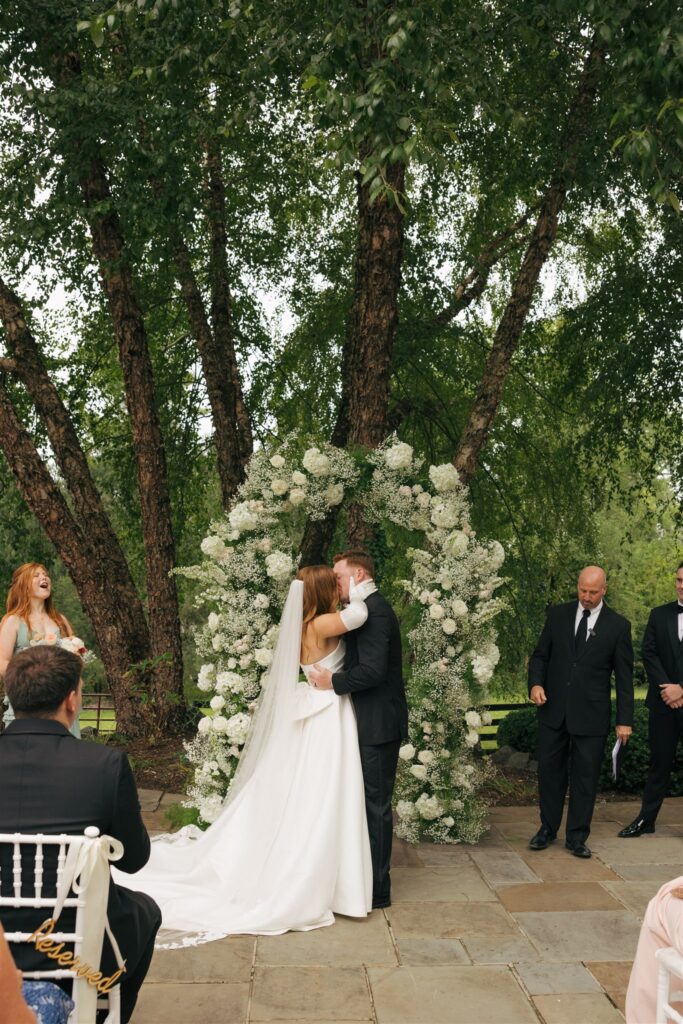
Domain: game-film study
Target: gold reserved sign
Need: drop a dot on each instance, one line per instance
(53, 950)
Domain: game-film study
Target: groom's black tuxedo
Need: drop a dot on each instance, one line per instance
(373, 675)
(51, 782)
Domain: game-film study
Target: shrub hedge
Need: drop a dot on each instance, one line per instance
(519, 730)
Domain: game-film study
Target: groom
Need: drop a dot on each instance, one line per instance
(372, 674)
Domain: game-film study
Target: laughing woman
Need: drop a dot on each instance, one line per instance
(31, 618)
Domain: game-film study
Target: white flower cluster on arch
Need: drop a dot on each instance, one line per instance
(250, 558)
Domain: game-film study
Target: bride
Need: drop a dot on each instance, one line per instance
(290, 847)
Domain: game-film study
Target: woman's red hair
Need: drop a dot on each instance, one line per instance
(320, 590)
(19, 597)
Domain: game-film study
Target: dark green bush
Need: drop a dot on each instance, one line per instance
(519, 730)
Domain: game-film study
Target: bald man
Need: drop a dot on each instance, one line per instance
(583, 642)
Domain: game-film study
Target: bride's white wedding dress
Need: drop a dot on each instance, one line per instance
(290, 847)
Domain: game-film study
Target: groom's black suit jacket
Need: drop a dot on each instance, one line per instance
(51, 782)
(373, 675)
(577, 683)
(662, 655)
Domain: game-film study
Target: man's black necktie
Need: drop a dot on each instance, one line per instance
(582, 631)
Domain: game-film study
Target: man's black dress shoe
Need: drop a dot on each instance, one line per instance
(541, 840)
(381, 905)
(637, 828)
(579, 850)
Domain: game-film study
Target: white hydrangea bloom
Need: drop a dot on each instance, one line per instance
(444, 515)
(456, 543)
(238, 727)
(213, 546)
(497, 554)
(229, 682)
(406, 810)
(429, 807)
(399, 456)
(279, 565)
(261, 601)
(243, 518)
(205, 678)
(210, 807)
(316, 462)
(445, 477)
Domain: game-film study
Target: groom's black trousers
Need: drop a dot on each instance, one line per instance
(379, 763)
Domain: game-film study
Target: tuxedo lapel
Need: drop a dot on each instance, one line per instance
(672, 625)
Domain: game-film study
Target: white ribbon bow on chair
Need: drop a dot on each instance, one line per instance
(84, 862)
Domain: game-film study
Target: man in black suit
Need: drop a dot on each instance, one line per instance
(53, 783)
(663, 660)
(373, 675)
(583, 642)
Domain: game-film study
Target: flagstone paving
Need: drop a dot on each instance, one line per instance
(487, 933)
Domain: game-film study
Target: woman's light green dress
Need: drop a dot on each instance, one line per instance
(24, 640)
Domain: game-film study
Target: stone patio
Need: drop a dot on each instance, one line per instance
(476, 935)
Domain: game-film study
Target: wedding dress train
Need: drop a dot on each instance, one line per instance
(290, 847)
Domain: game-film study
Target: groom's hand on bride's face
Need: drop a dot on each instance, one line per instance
(321, 678)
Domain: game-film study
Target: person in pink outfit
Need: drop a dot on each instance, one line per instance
(662, 927)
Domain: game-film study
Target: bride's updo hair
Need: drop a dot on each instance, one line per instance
(320, 590)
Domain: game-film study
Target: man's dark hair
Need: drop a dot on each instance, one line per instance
(357, 559)
(39, 679)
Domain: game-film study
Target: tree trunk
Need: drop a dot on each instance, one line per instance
(90, 574)
(509, 330)
(96, 530)
(155, 504)
(221, 303)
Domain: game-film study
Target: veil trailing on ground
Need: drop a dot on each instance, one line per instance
(208, 883)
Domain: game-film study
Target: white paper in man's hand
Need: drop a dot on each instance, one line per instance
(616, 759)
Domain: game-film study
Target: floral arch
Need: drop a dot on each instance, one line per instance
(451, 581)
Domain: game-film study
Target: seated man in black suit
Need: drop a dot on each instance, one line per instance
(53, 783)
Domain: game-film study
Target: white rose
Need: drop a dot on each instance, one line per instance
(316, 463)
(278, 565)
(238, 727)
(456, 543)
(261, 601)
(473, 719)
(458, 805)
(427, 727)
(405, 491)
(407, 752)
(229, 682)
(246, 660)
(297, 496)
(445, 477)
(450, 651)
(263, 657)
(472, 738)
(204, 725)
(423, 500)
(419, 771)
(232, 663)
(205, 678)
(449, 626)
(279, 487)
(429, 807)
(487, 718)
(449, 822)
(399, 456)
(299, 478)
(277, 462)
(214, 622)
(424, 597)
(334, 494)
(459, 608)
(265, 544)
(425, 757)
(436, 611)
(217, 703)
(218, 641)
(219, 724)
(417, 489)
